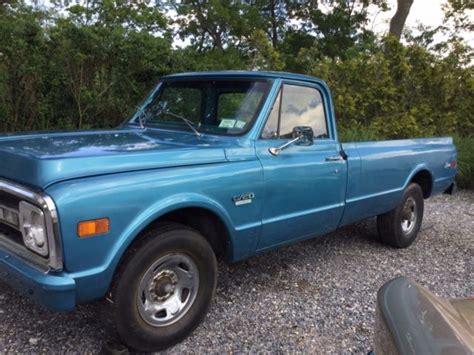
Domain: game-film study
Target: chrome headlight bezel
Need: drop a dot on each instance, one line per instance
(54, 261)
(33, 228)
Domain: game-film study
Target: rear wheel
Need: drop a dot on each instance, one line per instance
(399, 227)
(164, 288)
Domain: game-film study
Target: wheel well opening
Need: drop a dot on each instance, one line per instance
(423, 178)
(207, 223)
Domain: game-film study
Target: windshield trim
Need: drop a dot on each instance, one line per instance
(169, 126)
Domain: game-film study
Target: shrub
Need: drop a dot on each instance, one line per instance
(465, 147)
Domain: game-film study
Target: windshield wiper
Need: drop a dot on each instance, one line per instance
(185, 120)
(142, 117)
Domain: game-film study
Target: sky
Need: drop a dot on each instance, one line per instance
(425, 12)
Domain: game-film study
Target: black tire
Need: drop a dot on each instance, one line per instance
(389, 225)
(160, 242)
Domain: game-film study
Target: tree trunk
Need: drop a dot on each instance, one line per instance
(274, 24)
(398, 20)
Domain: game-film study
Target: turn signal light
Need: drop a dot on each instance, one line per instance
(93, 227)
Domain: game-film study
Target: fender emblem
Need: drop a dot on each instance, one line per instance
(243, 199)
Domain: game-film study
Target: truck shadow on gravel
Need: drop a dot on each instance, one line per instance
(273, 264)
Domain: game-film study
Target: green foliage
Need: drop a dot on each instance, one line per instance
(262, 54)
(399, 91)
(357, 134)
(465, 147)
(89, 66)
(74, 75)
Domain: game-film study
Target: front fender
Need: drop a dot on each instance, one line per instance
(159, 209)
(134, 200)
(102, 276)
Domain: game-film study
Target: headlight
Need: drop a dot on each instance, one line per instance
(33, 228)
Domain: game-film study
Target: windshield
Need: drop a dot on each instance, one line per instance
(226, 107)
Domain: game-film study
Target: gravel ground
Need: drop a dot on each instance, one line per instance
(314, 296)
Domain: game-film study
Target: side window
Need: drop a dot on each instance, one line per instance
(300, 106)
(271, 127)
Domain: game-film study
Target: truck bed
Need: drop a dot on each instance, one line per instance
(379, 171)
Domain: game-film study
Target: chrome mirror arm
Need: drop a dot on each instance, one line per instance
(277, 150)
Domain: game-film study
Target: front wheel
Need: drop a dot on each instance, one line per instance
(165, 288)
(399, 227)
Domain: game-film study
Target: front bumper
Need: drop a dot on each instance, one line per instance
(55, 291)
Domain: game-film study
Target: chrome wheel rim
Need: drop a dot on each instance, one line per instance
(168, 289)
(409, 215)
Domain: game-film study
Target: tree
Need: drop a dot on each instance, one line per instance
(23, 63)
(458, 19)
(263, 55)
(398, 20)
(208, 24)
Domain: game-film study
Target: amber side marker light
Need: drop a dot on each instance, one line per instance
(93, 227)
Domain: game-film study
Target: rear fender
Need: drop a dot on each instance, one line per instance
(416, 170)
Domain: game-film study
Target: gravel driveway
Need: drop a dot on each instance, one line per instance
(318, 295)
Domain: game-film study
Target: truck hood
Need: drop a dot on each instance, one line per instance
(40, 159)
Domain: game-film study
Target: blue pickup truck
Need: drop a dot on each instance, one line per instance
(212, 165)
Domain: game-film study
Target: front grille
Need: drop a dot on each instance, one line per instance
(11, 233)
(9, 221)
(10, 201)
(9, 206)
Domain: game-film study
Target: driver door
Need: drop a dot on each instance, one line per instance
(304, 184)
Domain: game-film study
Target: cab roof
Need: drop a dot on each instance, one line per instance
(244, 74)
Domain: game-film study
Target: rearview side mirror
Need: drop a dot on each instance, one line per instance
(306, 133)
(302, 135)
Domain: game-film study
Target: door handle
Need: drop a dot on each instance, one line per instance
(334, 158)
